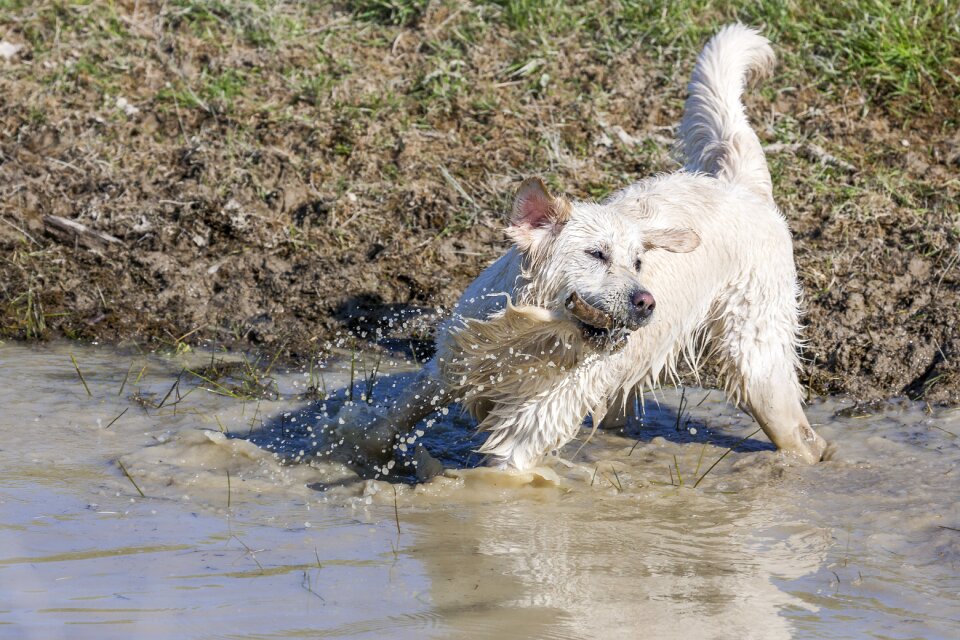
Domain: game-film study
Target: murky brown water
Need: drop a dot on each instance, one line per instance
(610, 546)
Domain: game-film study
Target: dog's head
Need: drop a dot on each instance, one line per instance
(587, 258)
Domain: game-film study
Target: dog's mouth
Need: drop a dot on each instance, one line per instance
(597, 325)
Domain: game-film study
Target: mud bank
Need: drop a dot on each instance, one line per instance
(272, 177)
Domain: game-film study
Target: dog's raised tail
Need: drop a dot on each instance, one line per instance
(715, 137)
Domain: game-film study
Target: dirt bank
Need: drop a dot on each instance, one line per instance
(271, 174)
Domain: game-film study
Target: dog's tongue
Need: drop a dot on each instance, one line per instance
(587, 313)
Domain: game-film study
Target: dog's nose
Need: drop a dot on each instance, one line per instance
(643, 303)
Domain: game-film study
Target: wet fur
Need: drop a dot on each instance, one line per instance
(709, 243)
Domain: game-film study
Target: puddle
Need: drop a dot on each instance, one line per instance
(608, 542)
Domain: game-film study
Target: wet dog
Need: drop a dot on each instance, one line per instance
(597, 300)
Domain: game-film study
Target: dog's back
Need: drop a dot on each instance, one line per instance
(715, 137)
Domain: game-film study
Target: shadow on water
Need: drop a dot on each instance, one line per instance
(305, 434)
(676, 424)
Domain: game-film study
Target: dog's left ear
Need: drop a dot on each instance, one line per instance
(536, 213)
(675, 240)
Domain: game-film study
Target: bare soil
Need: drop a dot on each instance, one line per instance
(276, 194)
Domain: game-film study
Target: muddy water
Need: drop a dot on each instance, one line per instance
(611, 541)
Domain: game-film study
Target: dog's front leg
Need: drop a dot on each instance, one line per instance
(523, 429)
(370, 432)
(521, 435)
(622, 407)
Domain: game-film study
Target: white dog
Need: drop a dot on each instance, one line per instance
(566, 322)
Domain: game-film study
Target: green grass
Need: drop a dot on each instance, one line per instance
(261, 23)
(393, 12)
(901, 53)
(444, 79)
(893, 49)
(309, 87)
(904, 50)
(97, 21)
(27, 310)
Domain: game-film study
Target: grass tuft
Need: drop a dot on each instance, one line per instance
(391, 12)
(27, 312)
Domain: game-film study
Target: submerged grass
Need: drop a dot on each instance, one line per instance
(720, 459)
(117, 418)
(396, 510)
(80, 375)
(130, 478)
(174, 387)
(125, 378)
(370, 380)
(241, 380)
(250, 552)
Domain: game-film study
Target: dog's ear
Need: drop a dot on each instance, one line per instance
(536, 213)
(675, 240)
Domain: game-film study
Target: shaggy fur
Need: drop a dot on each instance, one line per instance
(695, 264)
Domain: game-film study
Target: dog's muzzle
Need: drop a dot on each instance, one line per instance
(642, 305)
(600, 326)
(589, 314)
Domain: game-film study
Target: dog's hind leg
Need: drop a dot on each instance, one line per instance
(370, 433)
(778, 410)
(756, 327)
(756, 322)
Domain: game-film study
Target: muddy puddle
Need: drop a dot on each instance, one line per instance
(242, 533)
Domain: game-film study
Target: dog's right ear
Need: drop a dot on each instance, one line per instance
(536, 214)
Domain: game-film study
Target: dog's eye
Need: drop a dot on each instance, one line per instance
(598, 254)
(637, 264)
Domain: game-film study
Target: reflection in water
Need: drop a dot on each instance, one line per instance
(673, 568)
(229, 542)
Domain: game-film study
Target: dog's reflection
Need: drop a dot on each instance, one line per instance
(683, 567)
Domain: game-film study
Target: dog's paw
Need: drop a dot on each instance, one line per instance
(427, 466)
(809, 446)
(829, 452)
